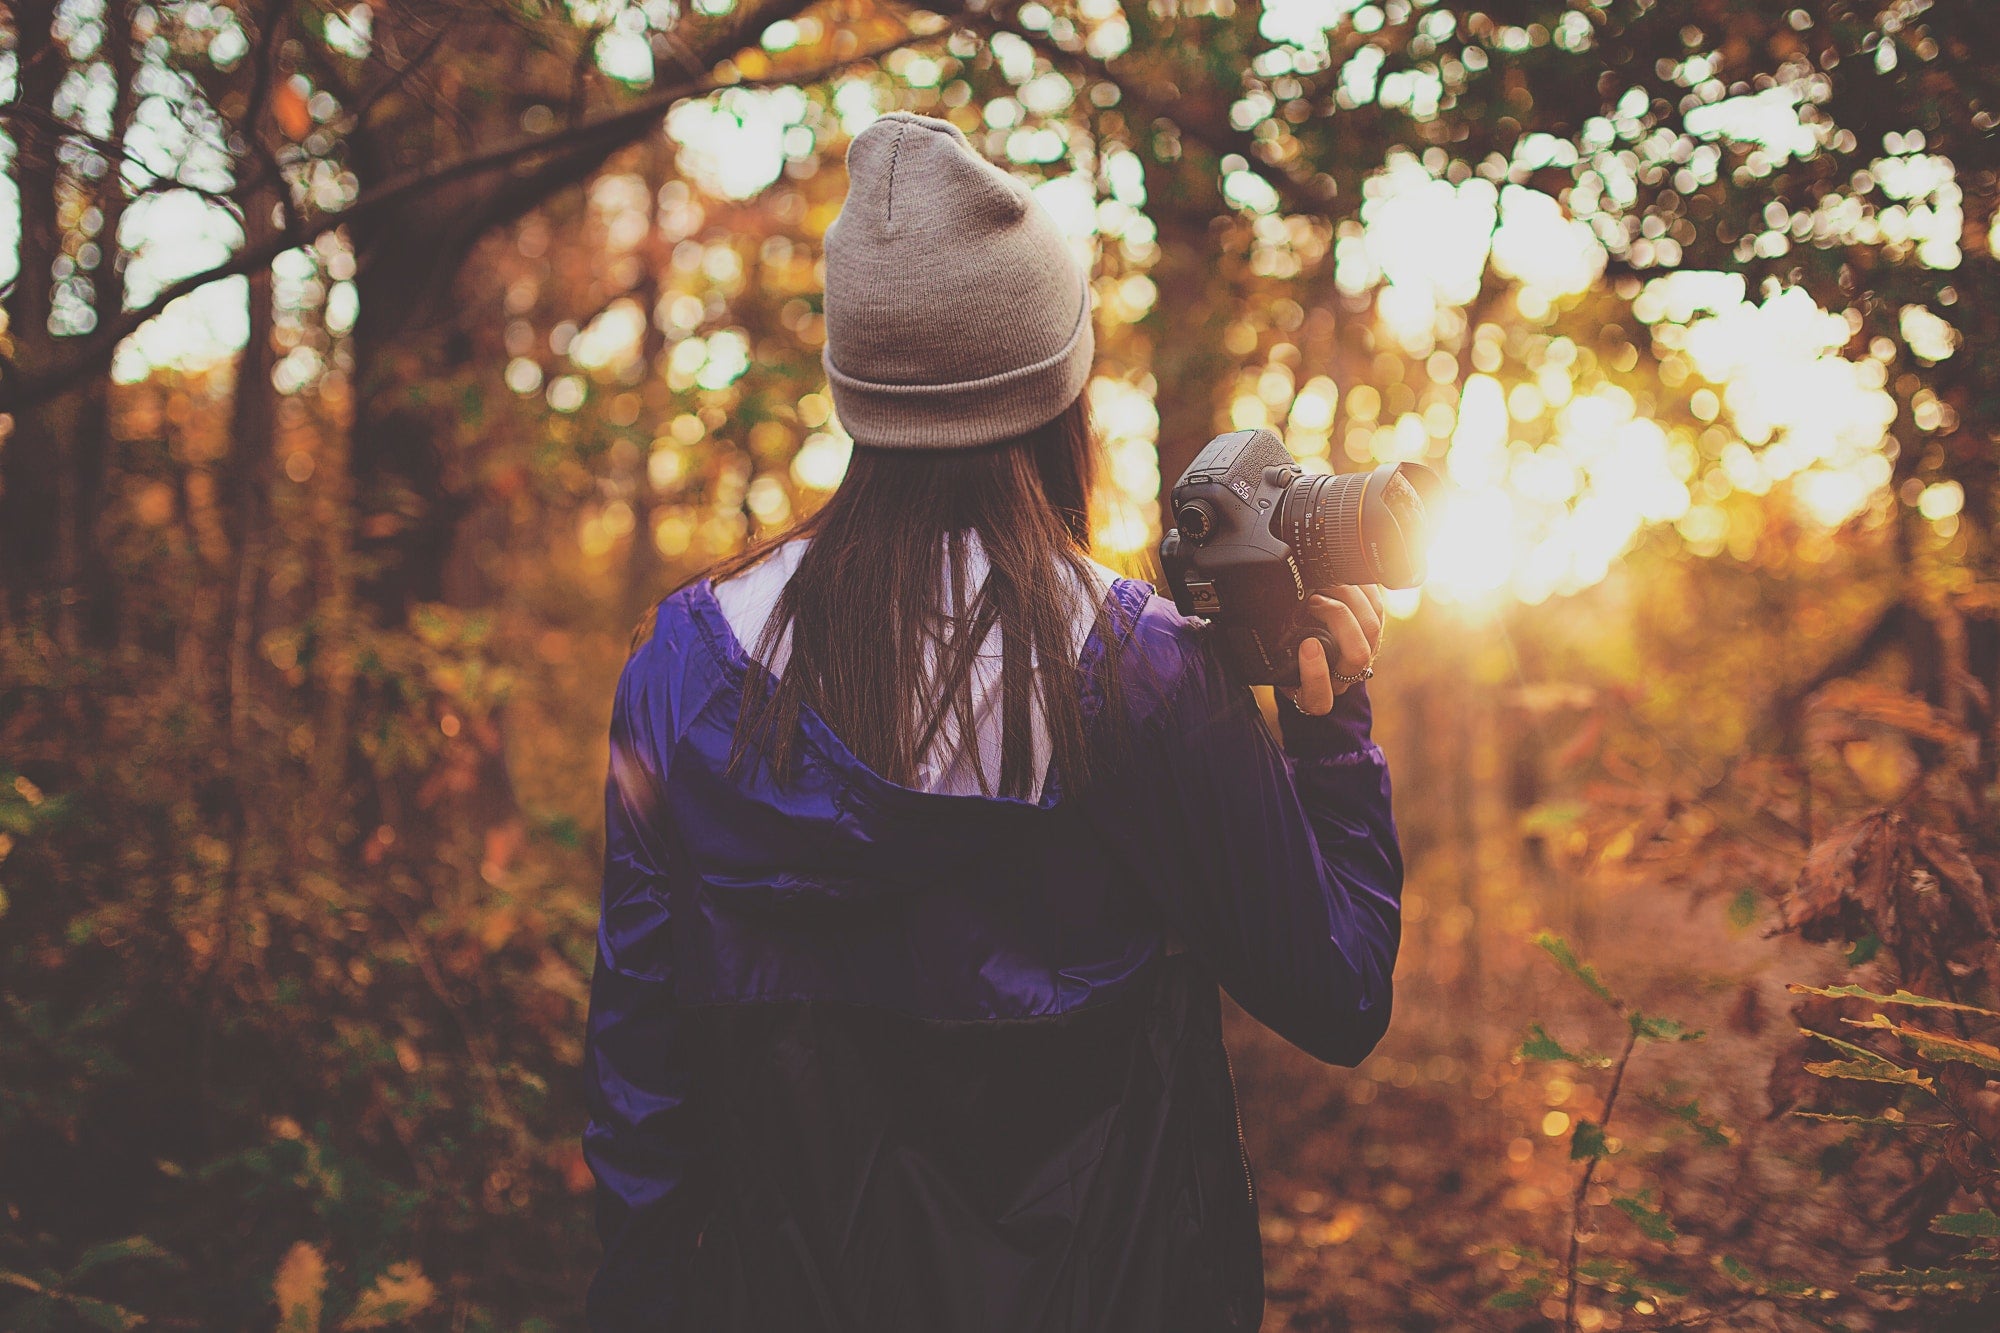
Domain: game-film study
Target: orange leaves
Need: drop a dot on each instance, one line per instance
(1867, 701)
(400, 1292)
(1938, 1047)
(1913, 887)
(300, 1287)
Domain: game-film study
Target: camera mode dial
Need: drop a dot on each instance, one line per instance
(1196, 520)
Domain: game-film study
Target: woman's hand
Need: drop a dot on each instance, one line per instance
(1353, 616)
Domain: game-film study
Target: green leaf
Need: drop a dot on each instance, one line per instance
(1864, 950)
(1608, 1273)
(1552, 816)
(1556, 947)
(1895, 997)
(1956, 1283)
(1937, 1046)
(1743, 909)
(1982, 1225)
(563, 831)
(1689, 1113)
(1652, 1222)
(1513, 1299)
(103, 1314)
(1588, 1141)
(1766, 1286)
(1541, 1046)
(1663, 1029)
(131, 1249)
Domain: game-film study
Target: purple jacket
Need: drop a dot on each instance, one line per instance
(863, 1057)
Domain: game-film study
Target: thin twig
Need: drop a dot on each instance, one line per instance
(397, 77)
(1579, 1202)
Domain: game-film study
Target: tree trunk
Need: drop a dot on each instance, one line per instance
(32, 460)
(1191, 365)
(252, 428)
(87, 568)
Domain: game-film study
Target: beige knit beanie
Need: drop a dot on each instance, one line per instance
(955, 316)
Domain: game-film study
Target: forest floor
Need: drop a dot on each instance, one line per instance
(1407, 1193)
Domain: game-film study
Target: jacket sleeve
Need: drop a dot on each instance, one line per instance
(640, 1139)
(1280, 868)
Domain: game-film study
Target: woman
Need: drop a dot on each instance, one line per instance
(929, 840)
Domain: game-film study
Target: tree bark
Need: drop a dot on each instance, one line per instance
(252, 429)
(32, 459)
(87, 568)
(1191, 364)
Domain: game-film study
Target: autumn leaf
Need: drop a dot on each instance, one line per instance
(1889, 1120)
(1866, 1065)
(1869, 1072)
(1902, 997)
(300, 1287)
(1937, 1046)
(1847, 879)
(1891, 708)
(400, 1292)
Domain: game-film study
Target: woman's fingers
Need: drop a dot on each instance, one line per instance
(1378, 600)
(1352, 651)
(1314, 695)
(1353, 616)
(1368, 611)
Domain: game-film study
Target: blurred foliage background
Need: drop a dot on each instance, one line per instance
(370, 368)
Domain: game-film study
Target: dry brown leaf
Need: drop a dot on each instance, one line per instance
(1888, 707)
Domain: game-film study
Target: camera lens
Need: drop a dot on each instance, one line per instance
(1358, 527)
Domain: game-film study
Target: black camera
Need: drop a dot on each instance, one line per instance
(1255, 534)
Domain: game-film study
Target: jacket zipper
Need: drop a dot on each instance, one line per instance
(1236, 1106)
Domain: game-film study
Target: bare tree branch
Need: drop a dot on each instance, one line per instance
(398, 76)
(270, 20)
(1219, 139)
(590, 142)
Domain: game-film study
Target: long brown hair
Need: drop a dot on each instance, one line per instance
(871, 604)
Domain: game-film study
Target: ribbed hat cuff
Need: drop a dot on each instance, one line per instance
(968, 413)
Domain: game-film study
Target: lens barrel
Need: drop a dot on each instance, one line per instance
(1358, 527)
